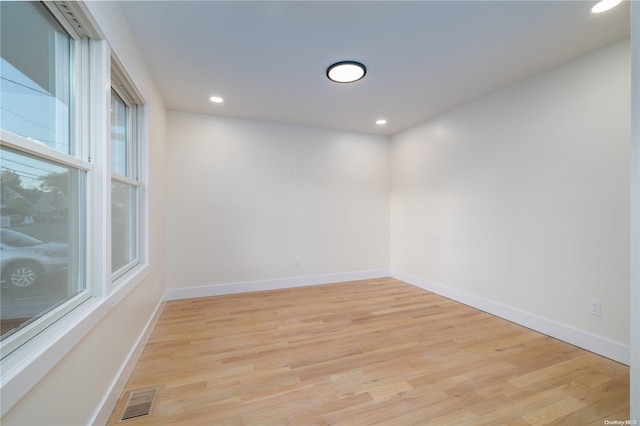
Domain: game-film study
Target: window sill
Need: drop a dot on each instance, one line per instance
(24, 368)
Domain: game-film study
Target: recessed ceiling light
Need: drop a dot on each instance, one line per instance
(381, 121)
(216, 99)
(604, 5)
(346, 71)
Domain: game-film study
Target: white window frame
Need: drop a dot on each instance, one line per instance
(122, 84)
(76, 159)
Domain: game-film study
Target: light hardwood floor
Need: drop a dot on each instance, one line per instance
(363, 353)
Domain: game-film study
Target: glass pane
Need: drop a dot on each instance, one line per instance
(35, 75)
(120, 146)
(42, 237)
(124, 214)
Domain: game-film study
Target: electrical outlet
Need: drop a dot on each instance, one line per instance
(595, 307)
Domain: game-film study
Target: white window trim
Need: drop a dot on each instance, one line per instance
(122, 84)
(142, 133)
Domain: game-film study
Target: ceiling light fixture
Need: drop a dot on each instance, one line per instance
(216, 99)
(604, 5)
(381, 121)
(346, 71)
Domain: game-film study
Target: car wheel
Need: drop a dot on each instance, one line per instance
(22, 275)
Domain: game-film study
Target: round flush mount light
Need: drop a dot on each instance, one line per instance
(604, 5)
(216, 99)
(346, 71)
(381, 122)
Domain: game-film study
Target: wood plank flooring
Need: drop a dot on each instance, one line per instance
(363, 353)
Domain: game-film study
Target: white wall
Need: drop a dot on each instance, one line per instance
(236, 212)
(635, 210)
(81, 383)
(521, 198)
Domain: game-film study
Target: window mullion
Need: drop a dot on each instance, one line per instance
(98, 104)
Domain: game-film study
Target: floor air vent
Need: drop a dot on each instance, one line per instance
(139, 404)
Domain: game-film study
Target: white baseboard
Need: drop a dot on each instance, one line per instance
(600, 345)
(111, 399)
(276, 284)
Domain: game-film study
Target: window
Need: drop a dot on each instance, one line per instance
(73, 199)
(36, 75)
(43, 177)
(124, 180)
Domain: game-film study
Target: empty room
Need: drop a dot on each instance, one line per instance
(320, 212)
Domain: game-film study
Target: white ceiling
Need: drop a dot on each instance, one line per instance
(268, 59)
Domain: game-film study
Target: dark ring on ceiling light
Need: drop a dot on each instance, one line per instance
(331, 68)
